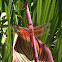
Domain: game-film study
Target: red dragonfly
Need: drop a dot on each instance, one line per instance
(23, 44)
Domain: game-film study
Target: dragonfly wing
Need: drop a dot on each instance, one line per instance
(41, 32)
(26, 29)
(18, 29)
(42, 29)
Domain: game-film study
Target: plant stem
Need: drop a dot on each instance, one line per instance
(30, 25)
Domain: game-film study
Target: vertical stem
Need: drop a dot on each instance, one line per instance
(30, 25)
(28, 17)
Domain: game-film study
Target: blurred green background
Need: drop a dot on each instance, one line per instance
(42, 11)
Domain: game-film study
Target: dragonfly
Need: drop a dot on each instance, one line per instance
(24, 46)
